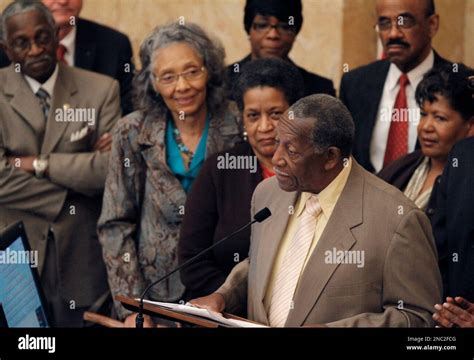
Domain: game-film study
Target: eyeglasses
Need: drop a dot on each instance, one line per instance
(401, 22)
(281, 27)
(22, 44)
(188, 75)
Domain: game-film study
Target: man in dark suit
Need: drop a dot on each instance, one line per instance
(91, 46)
(381, 95)
(272, 27)
(53, 159)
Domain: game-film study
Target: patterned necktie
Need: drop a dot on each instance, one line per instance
(397, 143)
(287, 278)
(43, 97)
(60, 52)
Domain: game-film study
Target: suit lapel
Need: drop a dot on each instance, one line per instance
(439, 61)
(269, 244)
(337, 234)
(170, 195)
(23, 101)
(63, 96)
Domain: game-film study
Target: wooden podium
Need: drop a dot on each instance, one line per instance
(157, 311)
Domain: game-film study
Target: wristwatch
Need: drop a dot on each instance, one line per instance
(40, 164)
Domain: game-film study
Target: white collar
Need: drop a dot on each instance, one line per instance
(415, 75)
(69, 40)
(48, 85)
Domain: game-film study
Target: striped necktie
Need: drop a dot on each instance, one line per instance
(43, 97)
(292, 266)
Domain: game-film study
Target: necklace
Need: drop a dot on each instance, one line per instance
(182, 148)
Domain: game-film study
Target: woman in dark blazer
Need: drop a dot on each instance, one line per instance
(219, 201)
(446, 116)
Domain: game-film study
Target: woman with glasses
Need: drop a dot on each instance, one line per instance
(219, 202)
(272, 27)
(157, 153)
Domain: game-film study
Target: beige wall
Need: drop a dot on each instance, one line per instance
(334, 33)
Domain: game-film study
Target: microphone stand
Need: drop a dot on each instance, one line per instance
(259, 217)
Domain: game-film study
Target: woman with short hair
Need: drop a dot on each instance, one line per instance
(446, 116)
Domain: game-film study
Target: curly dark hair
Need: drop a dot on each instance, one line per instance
(209, 49)
(454, 85)
(271, 72)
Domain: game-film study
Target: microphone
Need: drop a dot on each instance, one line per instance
(260, 216)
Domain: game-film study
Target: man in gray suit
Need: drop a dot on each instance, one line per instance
(54, 149)
(342, 247)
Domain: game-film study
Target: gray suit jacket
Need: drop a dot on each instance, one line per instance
(68, 202)
(397, 286)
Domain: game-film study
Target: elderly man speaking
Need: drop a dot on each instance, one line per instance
(342, 248)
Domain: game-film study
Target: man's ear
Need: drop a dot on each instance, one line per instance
(470, 132)
(434, 25)
(333, 157)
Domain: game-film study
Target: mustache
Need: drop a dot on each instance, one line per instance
(43, 57)
(397, 42)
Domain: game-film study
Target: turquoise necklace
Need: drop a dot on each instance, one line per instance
(182, 148)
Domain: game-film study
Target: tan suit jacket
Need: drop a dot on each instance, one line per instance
(397, 286)
(68, 202)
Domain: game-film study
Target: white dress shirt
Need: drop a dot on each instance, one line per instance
(378, 143)
(48, 85)
(69, 42)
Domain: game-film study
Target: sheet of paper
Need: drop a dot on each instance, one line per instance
(189, 308)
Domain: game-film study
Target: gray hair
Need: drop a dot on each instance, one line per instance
(24, 6)
(333, 124)
(210, 50)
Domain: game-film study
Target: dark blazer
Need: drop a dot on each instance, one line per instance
(361, 91)
(218, 204)
(400, 172)
(313, 83)
(103, 50)
(453, 222)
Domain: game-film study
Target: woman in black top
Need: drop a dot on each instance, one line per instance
(219, 200)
